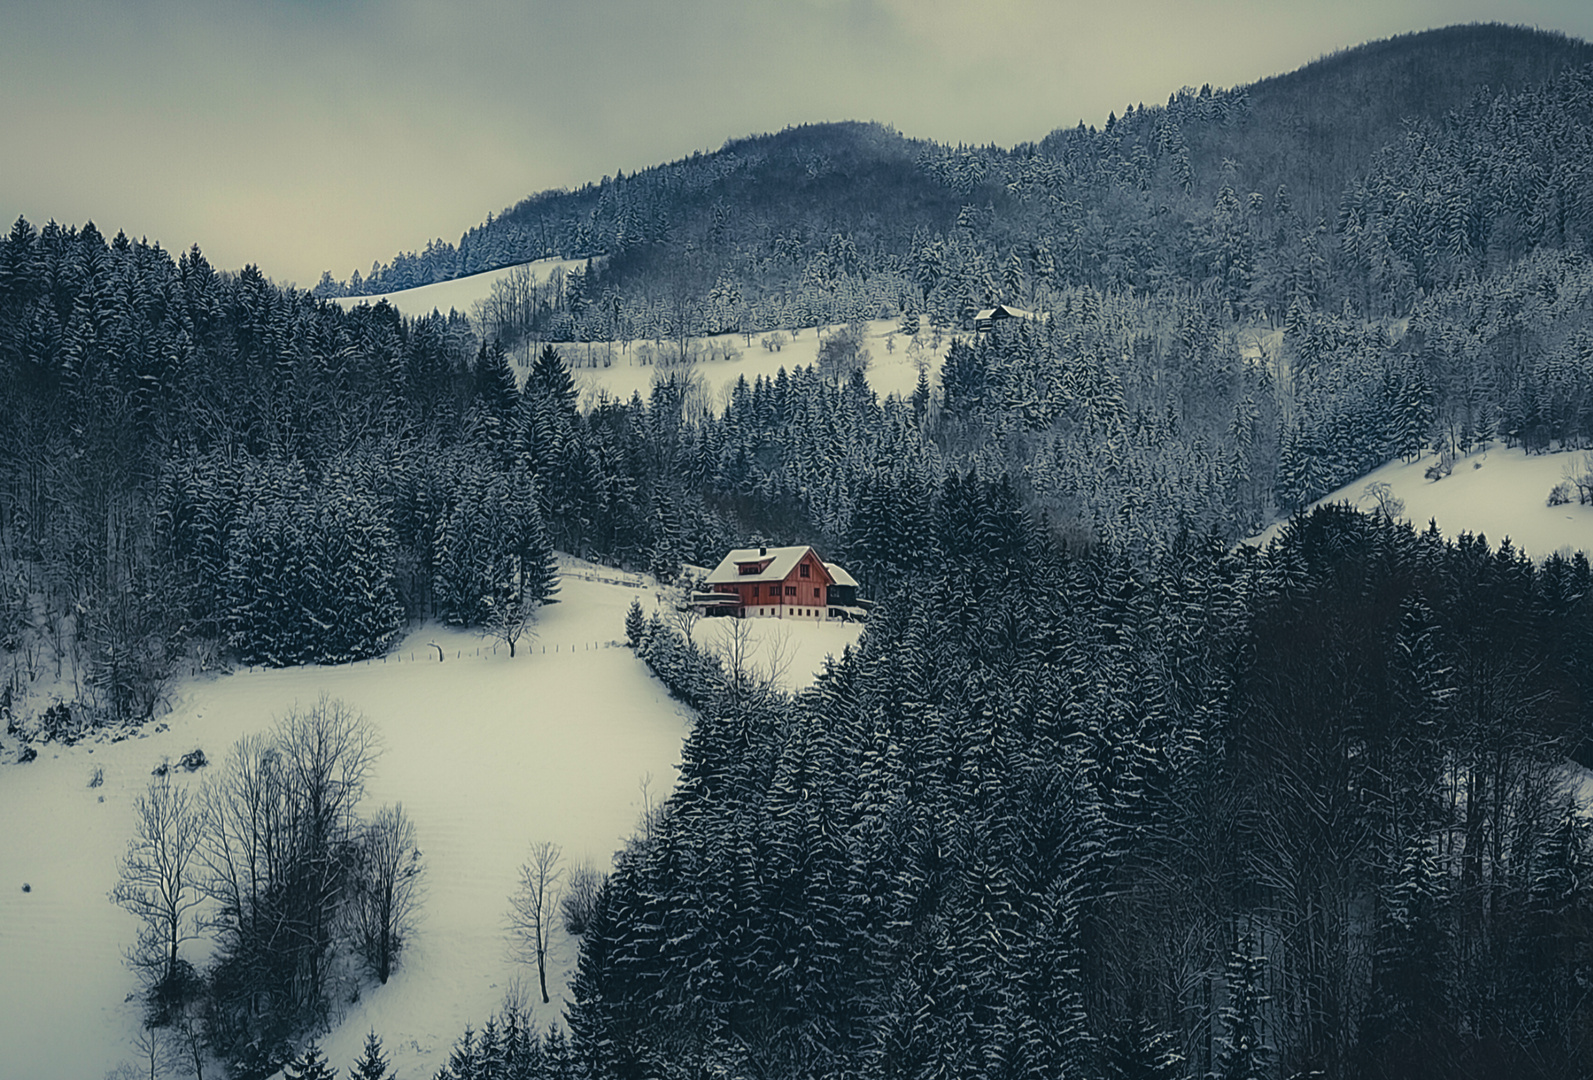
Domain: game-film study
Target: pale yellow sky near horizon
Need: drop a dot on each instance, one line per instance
(306, 136)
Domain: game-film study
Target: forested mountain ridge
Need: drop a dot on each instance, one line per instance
(1097, 794)
(814, 206)
(1222, 816)
(1316, 127)
(157, 404)
(1230, 278)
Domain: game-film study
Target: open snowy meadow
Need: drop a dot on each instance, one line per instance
(458, 294)
(568, 742)
(892, 369)
(620, 369)
(1497, 493)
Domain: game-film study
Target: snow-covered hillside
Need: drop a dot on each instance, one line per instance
(891, 369)
(460, 294)
(487, 754)
(1498, 493)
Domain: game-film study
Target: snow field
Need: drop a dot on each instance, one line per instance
(889, 373)
(793, 651)
(458, 294)
(1499, 493)
(488, 755)
(893, 372)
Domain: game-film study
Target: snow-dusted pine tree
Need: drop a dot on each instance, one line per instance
(372, 1063)
(311, 1064)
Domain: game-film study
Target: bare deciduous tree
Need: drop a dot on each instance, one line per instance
(531, 909)
(510, 310)
(1384, 501)
(281, 822)
(685, 620)
(387, 893)
(188, 1036)
(157, 882)
(581, 892)
(510, 617)
(156, 1054)
(650, 808)
(751, 677)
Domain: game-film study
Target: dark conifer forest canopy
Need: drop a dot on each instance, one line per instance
(1100, 792)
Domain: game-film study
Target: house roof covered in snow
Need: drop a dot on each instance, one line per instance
(841, 576)
(777, 564)
(1003, 311)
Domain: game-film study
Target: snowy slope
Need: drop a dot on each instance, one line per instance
(1498, 493)
(793, 651)
(487, 755)
(889, 371)
(460, 294)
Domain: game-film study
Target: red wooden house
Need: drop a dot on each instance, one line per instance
(769, 582)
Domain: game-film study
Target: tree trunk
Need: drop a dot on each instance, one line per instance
(384, 958)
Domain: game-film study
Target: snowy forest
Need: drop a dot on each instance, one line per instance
(1101, 792)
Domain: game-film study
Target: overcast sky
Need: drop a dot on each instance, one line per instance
(305, 135)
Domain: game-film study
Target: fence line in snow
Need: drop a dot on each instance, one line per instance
(537, 649)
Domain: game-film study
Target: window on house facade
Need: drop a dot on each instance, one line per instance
(803, 570)
(815, 592)
(790, 590)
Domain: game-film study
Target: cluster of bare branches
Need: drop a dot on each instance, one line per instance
(272, 858)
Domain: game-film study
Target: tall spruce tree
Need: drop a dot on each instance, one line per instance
(372, 1063)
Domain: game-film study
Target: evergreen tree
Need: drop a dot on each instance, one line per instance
(1410, 1031)
(372, 1063)
(464, 1060)
(1245, 1054)
(492, 550)
(635, 624)
(1412, 415)
(1141, 1052)
(312, 581)
(550, 381)
(497, 397)
(356, 612)
(265, 579)
(963, 379)
(921, 395)
(311, 1064)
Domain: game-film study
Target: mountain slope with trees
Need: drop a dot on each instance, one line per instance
(1095, 792)
(827, 207)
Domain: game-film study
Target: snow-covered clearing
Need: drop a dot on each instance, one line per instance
(891, 369)
(792, 651)
(1499, 493)
(487, 755)
(460, 294)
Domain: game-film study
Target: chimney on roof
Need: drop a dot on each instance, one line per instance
(763, 551)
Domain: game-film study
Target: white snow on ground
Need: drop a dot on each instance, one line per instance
(1498, 493)
(460, 294)
(793, 651)
(487, 755)
(890, 371)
